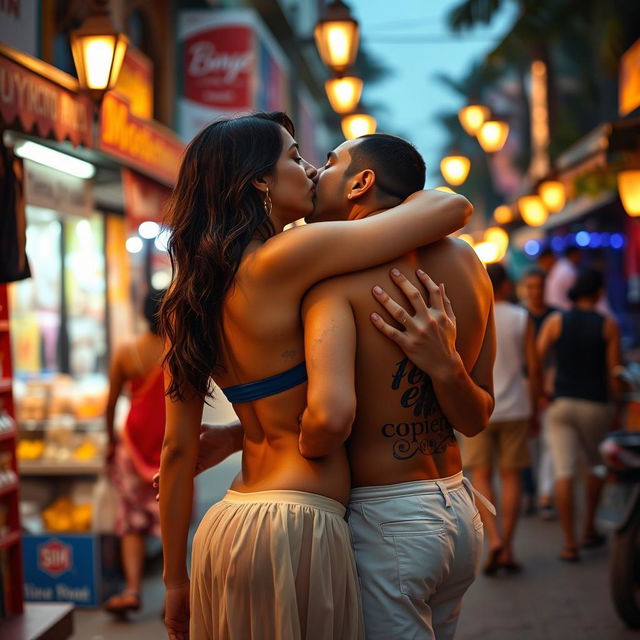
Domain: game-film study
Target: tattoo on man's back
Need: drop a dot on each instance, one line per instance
(431, 433)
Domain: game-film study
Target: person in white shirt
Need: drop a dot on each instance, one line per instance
(504, 444)
(560, 279)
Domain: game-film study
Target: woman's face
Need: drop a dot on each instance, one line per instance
(292, 186)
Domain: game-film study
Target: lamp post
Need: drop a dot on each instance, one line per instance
(337, 36)
(629, 190)
(358, 124)
(455, 169)
(98, 51)
(343, 93)
(492, 135)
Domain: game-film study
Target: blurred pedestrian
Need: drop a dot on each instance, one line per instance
(136, 456)
(546, 259)
(540, 484)
(587, 351)
(561, 277)
(504, 443)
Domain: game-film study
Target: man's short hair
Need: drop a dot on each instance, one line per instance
(497, 275)
(399, 168)
(534, 272)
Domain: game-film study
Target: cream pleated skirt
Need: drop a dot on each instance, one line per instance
(274, 565)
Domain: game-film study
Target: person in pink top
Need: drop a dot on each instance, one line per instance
(135, 458)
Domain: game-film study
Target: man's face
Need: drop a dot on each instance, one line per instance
(533, 290)
(331, 202)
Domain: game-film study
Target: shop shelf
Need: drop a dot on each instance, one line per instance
(48, 468)
(9, 539)
(5, 384)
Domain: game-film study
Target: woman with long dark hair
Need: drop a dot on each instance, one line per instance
(273, 558)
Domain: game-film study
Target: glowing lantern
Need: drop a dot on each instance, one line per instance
(532, 210)
(343, 93)
(487, 252)
(492, 135)
(472, 117)
(552, 194)
(358, 124)
(455, 169)
(629, 190)
(498, 237)
(503, 214)
(337, 36)
(98, 50)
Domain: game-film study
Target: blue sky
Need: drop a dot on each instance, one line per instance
(395, 32)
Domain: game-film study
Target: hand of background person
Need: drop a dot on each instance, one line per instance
(217, 442)
(429, 336)
(176, 612)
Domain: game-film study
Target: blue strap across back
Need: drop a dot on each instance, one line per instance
(267, 386)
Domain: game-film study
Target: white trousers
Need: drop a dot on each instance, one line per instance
(418, 547)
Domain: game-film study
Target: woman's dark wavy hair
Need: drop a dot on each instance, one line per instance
(213, 214)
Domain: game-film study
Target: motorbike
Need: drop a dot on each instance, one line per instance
(620, 451)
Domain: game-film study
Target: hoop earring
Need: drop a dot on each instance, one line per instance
(267, 203)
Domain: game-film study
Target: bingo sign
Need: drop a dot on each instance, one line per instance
(231, 65)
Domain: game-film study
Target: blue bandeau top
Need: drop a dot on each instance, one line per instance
(267, 386)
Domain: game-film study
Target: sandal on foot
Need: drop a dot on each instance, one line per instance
(123, 602)
(569, 554)
(511, 567)
(493, 562)
(592, 541)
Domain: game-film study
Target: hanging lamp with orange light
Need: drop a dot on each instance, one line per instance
(455, 169)
(344, 93)
(492, 135)
(629, 190)
(337, 36)
(553, 195)
(532, 210)
(358, 124)
(503, 214)
(98, 51)
(472, 117)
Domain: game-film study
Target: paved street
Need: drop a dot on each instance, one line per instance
(550, 600)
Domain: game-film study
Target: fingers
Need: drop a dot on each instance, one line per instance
(397, 312)
(435, 294)
(447, 304)
(387, 330)
(413, 294)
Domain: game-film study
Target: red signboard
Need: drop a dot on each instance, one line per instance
(39, 103)
(218, 67)
(54, 558)
(144, 199)
(144, 145)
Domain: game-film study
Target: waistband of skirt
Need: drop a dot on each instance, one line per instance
(402, 489)
(287, 496)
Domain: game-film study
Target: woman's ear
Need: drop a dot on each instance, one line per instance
(362, 183)
(262, 184)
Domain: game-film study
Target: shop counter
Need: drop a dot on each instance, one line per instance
(39, 622)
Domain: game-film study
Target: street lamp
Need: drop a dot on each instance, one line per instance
(532, 210)
(455, 169)
(503, 214)
(337, 36)
(552, 194)
(98, 50)
(472, 117)
(343, 93)
(358, 124)
(492, 135)
(629, 190)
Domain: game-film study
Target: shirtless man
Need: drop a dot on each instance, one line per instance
(416, 531)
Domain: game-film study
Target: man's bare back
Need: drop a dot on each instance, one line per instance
(400, 433)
